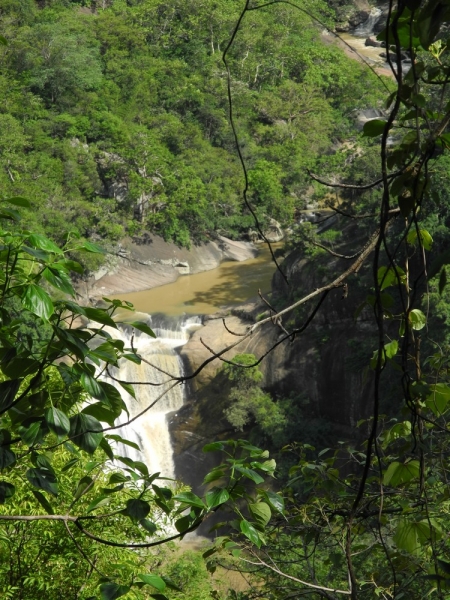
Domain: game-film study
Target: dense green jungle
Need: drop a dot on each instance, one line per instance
(325, 465)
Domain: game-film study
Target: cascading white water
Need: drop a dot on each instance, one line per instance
(150, 431)
(366, 28)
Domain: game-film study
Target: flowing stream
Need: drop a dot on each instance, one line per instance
(204, 293)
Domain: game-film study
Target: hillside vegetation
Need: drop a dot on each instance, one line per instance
(122, 110)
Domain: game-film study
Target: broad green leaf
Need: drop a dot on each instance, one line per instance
(388, 276)
(153, 580)
(92, 386)
(59, 280)
(37, 301)
(391, 349)
(411, 535)
(216, 496)
(374, 127)
(40, 241)
(90, 247)
(7, 491)
(57, 421)
(85, 432)
(121, 440)
(98, 503)
(84, 483)
(214, 447)
(214, 475)
(424, 236)
(261, 513)
(99, 315)
(112, 591)
(3, 41)
(100, 412)
(400, 473)
(439, 398)
(417, 319)
(183, 524)
(8, 391)
(136, 509)
(148, 525)
(250, 474)
(141, 326)
(189, 498)
(32, 433)
(275, 501)
(18, 201)
(43, 479)
(250, 532)
(7, 458)
(117, 478)
(43, 502)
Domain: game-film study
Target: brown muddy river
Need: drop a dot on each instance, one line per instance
(204, 293)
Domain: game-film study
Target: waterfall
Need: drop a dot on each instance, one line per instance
(366, 29)
(150, 431)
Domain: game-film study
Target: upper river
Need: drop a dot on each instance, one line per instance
(204, 293)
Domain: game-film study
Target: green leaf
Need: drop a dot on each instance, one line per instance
(425, 238)
(3, 41)
(214, 475)
(388, 276)
(391, 349)
(100, 412)
(59, 280)
(411, 535)
(31, 433)
(183, 524)
(137, 509)
(8, 391)
(261, 513)
(148, 525)
(400, 473)
(84, 483)
(100, 316)
(37, 301)
(214, 447)
(40, 241)
(190, 499)
(275, 501)
(121, 440)
(374, 127)
(90, 247)
(7, 458)
(7, 491)
(112, 591)
(98, 503)
(141, 326)
(439, 398)
(57, 421)
(92, 386)
(250, 532)
(43, 479)
(216, 496)
(85, 432)
(417, 319)
(17, 200)
(250, 474)
(10, 214)
(43, 502)
(157, 582)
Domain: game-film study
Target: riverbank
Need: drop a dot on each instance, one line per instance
(150, 262)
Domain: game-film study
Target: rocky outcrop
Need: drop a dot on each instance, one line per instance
(149, 262)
